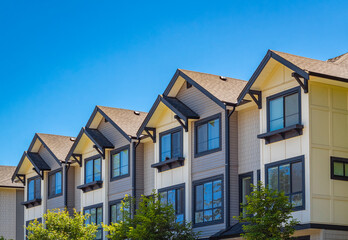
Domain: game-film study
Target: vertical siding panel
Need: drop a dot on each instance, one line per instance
(71, 189)
(77, 192)
(149, 174)
(139, 170)
(233, 181)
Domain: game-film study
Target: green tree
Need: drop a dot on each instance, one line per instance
(153, 220)
(60, 225)
(267, 215)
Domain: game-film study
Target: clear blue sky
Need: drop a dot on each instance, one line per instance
(61, 58)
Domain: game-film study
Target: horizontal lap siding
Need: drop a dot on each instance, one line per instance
(57, 202)
(48, 158)
(234, 188)
(139, 170)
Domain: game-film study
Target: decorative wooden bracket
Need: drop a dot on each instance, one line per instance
(21, 178)
(183, 124)
(38, 173)
(258, 100)
(78, 159)
(303, 84)
(153, 134)
(102, 154)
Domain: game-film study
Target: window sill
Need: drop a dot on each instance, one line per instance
(91, 186)
(282, 134)
(32, 203)
(200, 154)
(169, 164)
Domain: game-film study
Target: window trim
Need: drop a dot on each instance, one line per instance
(202, 122)
(338, 159)
(176, 187)
(98, 205)
(48, 180)
(290, 161)
(241, 176)
(113, 152)
(284, 94)
(35, 197)
(200, 182)
(111, 203)
(171, 131)
(85, 169)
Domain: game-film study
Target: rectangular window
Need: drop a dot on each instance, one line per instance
(339, 168)
(208, 135)
(175, 196)
(245, 187)
(92, 170)
(171, 144)
(284, 109)
(288, 176)
(96, 216)
(120, 163)
(34, 188)
(55, 184)
(208, 201)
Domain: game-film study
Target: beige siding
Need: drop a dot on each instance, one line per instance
(71, 187)
(139, 170)
(8, 213)
(77, 192)
(149, 173)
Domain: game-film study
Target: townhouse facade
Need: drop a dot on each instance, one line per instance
(205, 140)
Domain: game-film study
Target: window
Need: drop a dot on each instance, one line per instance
(245, 187)
(34, 188)
(288, 176)
(207, 135)
(116, 215)
(92, 170)
(284, 109)
(208, 201)
(55, 184)
(171, 144)
(339, 168)
(120, 163)
(27, 225)
(96, 216)
(175, 196)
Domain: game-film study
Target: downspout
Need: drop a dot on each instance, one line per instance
(227, 164)
(66, 166)
(135, 145)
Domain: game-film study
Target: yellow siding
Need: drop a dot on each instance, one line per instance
(329, 137)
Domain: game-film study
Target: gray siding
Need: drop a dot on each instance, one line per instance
(56, 202)
(19, 214)
(49, 159)
(139, 170)
(234, 181)
(71, 189)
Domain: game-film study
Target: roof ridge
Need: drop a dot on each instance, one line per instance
(180, 69)
(49, 134)
(126, 109)
(297, 55)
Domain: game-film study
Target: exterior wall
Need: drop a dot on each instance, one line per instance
(77, 193)
(44, 153)
(71, 189)
(149, 173)
(19, 214)
(9, 222)
(139, 171)
(279, 80)
(329, 137)
(37, 211)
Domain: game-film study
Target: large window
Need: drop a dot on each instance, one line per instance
(171, 144)
(175, 196)
(34, 188)
(116, 214)
(96, 216)
(208, 201)
(284, 109)
(55, 184)
(288, 176)
(208, 135)
(339, 168)
(93, 169)
(120, 163)
(245, 187)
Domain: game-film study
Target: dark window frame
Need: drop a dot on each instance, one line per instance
(93, 158)
(201, 182)
(112, 203)
(291, 161)
(116, 151)
(27, 224)
(49, 181)
(240, 177)
(171, 131)
(200, 123)
(177, 187)
(34, 179)
(96, 206)
(283, 95)
(341, 160)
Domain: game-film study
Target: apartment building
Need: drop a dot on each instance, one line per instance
(204, 141)
(11, 210)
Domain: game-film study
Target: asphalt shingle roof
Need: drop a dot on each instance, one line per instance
(226, 90)
(59, 145)
(38, 161)
(126, 119)
(181, 107)
(6, 173)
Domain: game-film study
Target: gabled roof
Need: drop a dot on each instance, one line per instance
(124, 120)
(175, 105)
(6, 173)
(335, 68)
(218, 88)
